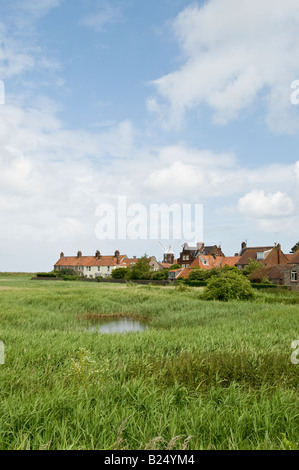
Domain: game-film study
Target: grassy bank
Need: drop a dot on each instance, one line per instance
(205, 375)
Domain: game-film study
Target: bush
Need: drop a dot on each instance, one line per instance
(175, 266)
(69, 278)
(228, 286)
(195, 283)
(67, 272)
(120, 273)
(261, 285)
(46, 275)
(160, 275)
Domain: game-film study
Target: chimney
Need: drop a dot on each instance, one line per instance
(116, 254)
(278, 253)
(79, 254)
(243, 245)
(61, 255)
(200, 246)
(98, 254)
(134, 257)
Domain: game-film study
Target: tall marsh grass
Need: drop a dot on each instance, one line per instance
(205, 375)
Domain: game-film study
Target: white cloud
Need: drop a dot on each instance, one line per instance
(53, 178)
(233, 53)
(259, 205)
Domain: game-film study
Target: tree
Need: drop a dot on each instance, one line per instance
(295, 248)
(197, 274)
(141, 269)
(175, 266)
(228, 286)
(120, 273)
(160, 275)
(252, 266)
(67, 272)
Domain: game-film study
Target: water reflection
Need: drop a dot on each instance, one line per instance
(118, 325)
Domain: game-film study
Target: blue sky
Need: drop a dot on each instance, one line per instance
(166, 101)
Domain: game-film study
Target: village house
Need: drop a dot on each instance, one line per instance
(154, 265)
(99, 265)
(91, 266)
(286, 274)
(190, 253)
(267, 255)
(204, 262)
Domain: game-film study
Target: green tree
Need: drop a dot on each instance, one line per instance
(67, 272)
(120, 273)
(175, 266)
(141, 269)
(198, 274)
(252, 266)
(160, 275)
(228, 286)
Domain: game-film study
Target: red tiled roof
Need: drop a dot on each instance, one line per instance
(166, 265)
(230, 260)
(251, 253)
(74, 261)
(213, 262)
(129, 261)
(294, 258)
(185, 273)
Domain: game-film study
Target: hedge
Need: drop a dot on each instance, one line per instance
(195, 283)
(46, 275)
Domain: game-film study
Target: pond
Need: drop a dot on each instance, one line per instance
(118, 325)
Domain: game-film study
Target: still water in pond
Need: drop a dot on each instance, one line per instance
(118, 325)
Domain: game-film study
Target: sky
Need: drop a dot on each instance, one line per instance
(159, 102)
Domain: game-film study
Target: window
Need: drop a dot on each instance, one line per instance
(294, 276)
(260, 255)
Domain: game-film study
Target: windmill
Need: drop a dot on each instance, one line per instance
(168, 254)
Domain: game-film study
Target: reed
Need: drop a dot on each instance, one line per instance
(205, 375)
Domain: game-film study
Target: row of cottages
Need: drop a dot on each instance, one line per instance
(99, 265)
(278, 267)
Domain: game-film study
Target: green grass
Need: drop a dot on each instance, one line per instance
(206, 375)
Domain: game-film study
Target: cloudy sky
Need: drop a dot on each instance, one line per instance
(161, 102)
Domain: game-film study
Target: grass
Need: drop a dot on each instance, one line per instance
(206, 375)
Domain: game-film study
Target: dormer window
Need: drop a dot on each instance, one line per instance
(260, 255)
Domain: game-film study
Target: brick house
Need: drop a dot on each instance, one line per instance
(190, 253)
(281, 275)
(266, 255)
(204, 262)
